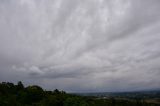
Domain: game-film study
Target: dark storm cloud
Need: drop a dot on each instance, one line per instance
(75, 45)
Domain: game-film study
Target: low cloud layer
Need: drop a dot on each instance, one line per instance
(81, 45)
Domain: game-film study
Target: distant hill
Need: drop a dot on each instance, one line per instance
(33, 95)
(132, 95)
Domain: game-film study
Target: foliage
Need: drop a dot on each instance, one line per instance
(18, 95)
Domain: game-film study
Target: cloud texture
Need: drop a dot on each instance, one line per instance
(81, 45)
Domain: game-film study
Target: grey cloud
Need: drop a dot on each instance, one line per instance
(102, 45)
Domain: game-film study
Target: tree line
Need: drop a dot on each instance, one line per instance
(34, 95)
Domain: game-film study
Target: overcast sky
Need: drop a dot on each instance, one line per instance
(81, 45)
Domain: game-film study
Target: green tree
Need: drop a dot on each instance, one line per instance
(20, 86)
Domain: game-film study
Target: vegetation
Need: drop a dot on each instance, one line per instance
(18, 95)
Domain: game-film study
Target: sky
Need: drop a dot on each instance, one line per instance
(81, 45)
